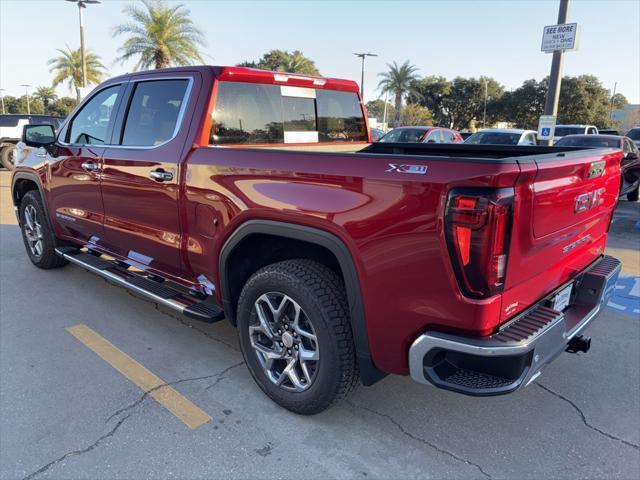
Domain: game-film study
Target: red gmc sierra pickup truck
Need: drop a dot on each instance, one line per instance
(255, 196)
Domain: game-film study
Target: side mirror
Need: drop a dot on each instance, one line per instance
(38, 135)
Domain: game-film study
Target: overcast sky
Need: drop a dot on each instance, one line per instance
(500, 39)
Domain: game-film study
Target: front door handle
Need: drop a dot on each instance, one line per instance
(89, 166)
(161, 175)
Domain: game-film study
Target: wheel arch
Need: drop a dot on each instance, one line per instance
(23, 182)
(316, 239)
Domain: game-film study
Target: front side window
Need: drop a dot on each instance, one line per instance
(250, 113)
(153, 112)
(91, 125)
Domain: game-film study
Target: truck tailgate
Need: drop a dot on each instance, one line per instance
(564, 205)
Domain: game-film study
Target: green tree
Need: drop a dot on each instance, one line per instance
(11, 104)
(283, 61)
(19, 104)
(431, 92)
(465, 102)
(524, 105)
(414, 114)
(584, 100)
(619, 101)
(46, 95)
(68, 68)
(62, 106)
(399, 81)
(375, 109)
(160, 36)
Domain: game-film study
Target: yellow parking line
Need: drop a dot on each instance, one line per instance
(190, 414)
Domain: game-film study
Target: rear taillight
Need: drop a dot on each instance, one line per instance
(478, 229)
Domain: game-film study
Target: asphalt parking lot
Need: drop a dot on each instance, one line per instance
(66, 412)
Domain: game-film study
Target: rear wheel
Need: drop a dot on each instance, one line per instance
(632, 196)
(37, 234)
(295, 335)
(7, 158)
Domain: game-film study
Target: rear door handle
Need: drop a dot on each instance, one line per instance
(160, 175)
(89, 166)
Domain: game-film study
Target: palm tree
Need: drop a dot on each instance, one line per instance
(160, 35)
(68, 67)
(398, 81)
(46, 95)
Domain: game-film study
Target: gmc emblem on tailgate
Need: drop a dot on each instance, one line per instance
(588, 200)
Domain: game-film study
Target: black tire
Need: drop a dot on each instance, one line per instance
(321, 295)
(6, 158)
(632, 196)
(47, 258)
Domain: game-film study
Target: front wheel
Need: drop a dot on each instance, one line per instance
(37, 234)
(296, 336)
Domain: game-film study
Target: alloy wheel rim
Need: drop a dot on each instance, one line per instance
(33, 230)
(284, 341)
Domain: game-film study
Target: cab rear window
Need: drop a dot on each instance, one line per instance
(252, 113)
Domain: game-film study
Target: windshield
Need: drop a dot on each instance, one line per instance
(562, 131)
(493, 138)
(634, 134)
(589, 141)
(404, 135)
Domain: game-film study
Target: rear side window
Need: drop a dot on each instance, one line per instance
(449, 136)
(435, 136)
(248, 113)
(153, 113)
(91, 124)
(340, 117)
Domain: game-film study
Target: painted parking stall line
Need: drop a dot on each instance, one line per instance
(186, 411)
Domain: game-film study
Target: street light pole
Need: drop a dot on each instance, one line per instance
(26, 88)
(83, 4)
(615, 86)
(362, 56)
(553, 94)
(484, 116)
(2, 99)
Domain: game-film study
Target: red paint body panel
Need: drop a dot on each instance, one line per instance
(392, 223)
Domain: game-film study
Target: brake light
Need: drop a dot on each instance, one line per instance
(477, 229)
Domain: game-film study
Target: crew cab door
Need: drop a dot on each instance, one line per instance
(75, 203)
(140, 181)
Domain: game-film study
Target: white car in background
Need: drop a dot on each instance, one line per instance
(564, 130)
(11, 126)
(503, 136)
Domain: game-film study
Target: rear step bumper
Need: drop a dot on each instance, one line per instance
(514, 356)
(155, 291)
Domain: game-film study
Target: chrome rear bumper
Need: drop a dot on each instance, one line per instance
(515, 355)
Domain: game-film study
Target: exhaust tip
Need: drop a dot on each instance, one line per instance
(579, 344)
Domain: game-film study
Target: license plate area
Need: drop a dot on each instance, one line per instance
(561, 299)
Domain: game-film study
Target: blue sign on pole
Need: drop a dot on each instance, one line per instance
(546, 132)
